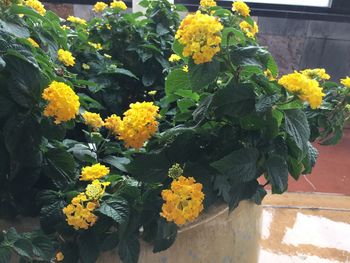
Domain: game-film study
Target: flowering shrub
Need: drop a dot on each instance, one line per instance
(101, 175)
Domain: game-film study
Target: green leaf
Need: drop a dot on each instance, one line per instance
(231, 36)
(11, 28)
(51, 215)
(61, 166)
(187, 94)
(178, 48)
(297, 126)
(202, 75)
(6, 106)
(42, 247)
(277, 173)
(2, 64)
(5, 254)
(117, 162)
(23, 247)
(88, 247)
(272, 66)
(166, 235)
(152, 168)
(185, 104)
(310, 158)
(259, 195)
(176, 80)
(240, 164)
(83, 153)
(129, 249)
(266, 102)
(116, 208)
(295, 104)
(236, 101)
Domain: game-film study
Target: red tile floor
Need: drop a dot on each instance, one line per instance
(332, 171)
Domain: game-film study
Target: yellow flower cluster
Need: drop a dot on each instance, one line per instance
(59, 256)
(79, 212)
(66, 57)
(33, 42)
(174, 58)
(76, 20)
(346, 82)
(207, 3)
(64, 27)
(96, 189)
(99, 7)
(118, 5)
(316, 73)
(96, 46)
(96, 171)
(63, 103)
(183, 202)
(36, 5)
(138, 125)
(241, 8)
(93, 120)
(305, 88)
(200, 35)
(248, 29)
(269, 75)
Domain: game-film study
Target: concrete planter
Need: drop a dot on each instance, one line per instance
(216, 237)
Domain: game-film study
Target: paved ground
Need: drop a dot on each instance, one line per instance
(311, 228)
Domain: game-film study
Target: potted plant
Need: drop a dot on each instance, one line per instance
(155, 183)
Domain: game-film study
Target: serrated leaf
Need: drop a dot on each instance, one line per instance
(266, 102)
(272, 66)
(116, 208)
(42, 247)
(297, 126)
(129, 250)
(117, 162)
(277, 173)
(234, 101)
(202, 75)
(166, 235)
(88, 247)
(176, 80)
(5, 254)
(23, 247)
(240, 164)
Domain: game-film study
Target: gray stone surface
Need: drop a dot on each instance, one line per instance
(287, 50)
(329, 30)
(334, 55)
(283, 26)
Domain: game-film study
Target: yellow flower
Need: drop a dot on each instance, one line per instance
(96, 190)
(36, 5)
(96, 46)
(33, 42)
(79, 214)
(241, 8)
(85, 66)
(305, 88)
(118, 5)
(108, 26)
(248, 29)
(183, 202)
(200, 35)
(96, 171)
(346, 82)
(59, 256)
(93, 120)
(152, 92)
(63, 103)
(207, 3)
(99, 7)
(185, 68)
(76, 20)
(174, 58)
(107, 56)
(269, 75)
(66, 57)
(138, 125)
(316, 73)
(64, 27)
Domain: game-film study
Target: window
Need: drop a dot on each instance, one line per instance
(318, 3)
